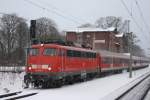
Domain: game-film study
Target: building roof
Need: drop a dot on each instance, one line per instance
(79, 30)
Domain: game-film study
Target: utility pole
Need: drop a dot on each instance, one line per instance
(93, 41)
(130, 44)
(130, 63)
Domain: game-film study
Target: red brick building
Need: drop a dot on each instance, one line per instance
(96, 38)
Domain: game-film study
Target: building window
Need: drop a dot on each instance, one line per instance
(88, 36)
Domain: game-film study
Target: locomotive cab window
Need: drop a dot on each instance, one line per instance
(61, 53)
(50, 52)
(34, 51)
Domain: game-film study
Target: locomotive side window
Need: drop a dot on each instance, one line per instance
(76, 54)
(34, 52)
(50, 52)
(73, 53)
(69, 53)
(94, 55)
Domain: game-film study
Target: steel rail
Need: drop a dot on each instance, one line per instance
(134, 86)
(21, 96)
(10, 94)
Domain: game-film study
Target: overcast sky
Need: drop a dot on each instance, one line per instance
(72, 13)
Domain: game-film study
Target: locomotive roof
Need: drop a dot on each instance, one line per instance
(65, 47)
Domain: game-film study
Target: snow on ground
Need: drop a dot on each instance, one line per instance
(10, 82)
(97, 89)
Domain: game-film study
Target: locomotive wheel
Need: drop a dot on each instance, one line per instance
(59, 83)
(39, 84)
(56, 83)
(45, 85)
(77, 78)
(69, 80)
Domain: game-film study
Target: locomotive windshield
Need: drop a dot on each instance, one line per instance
(50, 52)
(34, 52)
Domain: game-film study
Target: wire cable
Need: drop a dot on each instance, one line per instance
(131, 15)
(61, 11)
(50, 11)
(142, 16)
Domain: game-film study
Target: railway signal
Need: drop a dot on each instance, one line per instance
(33, 29)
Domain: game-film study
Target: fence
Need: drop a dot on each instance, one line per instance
(12, 68)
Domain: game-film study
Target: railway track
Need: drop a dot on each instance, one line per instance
(16, 95)
(10, 94)
(139, 91)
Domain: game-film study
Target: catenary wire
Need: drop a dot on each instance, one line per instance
(51, 11)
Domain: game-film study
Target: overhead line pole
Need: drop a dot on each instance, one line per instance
(130, 49)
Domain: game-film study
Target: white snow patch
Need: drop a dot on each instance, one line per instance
(10, 82)
(80, 30)
(119, 35)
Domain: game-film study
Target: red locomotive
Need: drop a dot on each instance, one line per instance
(52, 65)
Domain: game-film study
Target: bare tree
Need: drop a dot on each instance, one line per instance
(10, 33)
(128, 40)
(22, 39)
(109, 21)
(46, 28)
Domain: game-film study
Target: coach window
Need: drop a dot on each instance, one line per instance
(109, 60)
(50, 52)
(104, 60)
(34, 51)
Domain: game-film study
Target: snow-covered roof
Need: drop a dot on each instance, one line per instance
(79, 30)
(119, 35)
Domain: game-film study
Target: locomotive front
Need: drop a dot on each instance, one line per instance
(43, 66)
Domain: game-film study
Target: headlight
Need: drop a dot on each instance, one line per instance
(29, 68)
(49, 68)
